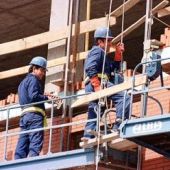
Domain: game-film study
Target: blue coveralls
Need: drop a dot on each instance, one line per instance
(30, 91)
(93, 66)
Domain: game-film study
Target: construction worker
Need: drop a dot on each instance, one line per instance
(30, 91)
(93, 71)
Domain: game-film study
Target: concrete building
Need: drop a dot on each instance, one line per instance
(62, 31)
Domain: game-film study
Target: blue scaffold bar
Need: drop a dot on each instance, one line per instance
(69, 159)
(145, 126)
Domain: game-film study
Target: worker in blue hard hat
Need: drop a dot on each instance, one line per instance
(33, 116)
(93, 70)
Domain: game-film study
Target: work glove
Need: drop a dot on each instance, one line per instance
(57, 100)
(95, 83)
(119, 50)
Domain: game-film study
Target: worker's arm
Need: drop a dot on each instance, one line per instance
(92, 67)
(35, 91)
(119, 51)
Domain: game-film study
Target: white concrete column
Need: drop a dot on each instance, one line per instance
(58, 19)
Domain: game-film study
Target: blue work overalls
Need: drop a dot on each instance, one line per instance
(30, 91)
(93, 67)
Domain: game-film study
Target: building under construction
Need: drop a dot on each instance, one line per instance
(62, 31)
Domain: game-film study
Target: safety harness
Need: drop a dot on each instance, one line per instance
(37, 110)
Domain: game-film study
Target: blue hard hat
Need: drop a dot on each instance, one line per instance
(39, 61)
(102, 33)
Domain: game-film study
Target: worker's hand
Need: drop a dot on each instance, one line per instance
(49, 95)
(57, 100)
(119, 50)
(95, 83)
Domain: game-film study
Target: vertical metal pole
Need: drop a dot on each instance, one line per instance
(88, 9)
(87, 18)
(139, 161)
(124, 105)
(98, 112)
(105, 132)
(147, 44)
(51, 124)
(67, 70)
(73, 72)
(6, 133)
(147, 35)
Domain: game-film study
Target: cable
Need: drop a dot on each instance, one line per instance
(99, 104)
(122, 30)
(164, 23)
(123, 19)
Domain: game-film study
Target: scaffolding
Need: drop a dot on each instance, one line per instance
(133, 132)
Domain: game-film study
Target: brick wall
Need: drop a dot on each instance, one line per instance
(154, 161)
(151, 160)
(55, 147)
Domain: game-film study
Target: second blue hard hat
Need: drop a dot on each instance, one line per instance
(102, 33)
(39, 61)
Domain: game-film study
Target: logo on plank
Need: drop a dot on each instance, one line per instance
(147, 127)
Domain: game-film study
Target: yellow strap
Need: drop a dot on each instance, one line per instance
(104, 76)
(36, 109)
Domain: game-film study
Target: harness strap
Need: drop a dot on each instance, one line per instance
(103, 76)
(36, 109)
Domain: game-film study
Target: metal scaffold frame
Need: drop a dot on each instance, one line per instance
(83, 157)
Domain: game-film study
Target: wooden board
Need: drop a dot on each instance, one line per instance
(140, 79)
(164, 12)
(51, 63)
(102, 139)
(114, 141)
(95, 133)
(122, 144)
(139, 22)
(52, 36)
(127, 5)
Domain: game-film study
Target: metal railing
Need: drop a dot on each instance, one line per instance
(51, 127)
(5, 135)
(146, 89)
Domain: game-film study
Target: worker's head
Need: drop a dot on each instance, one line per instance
(38, 67)
(101, 35)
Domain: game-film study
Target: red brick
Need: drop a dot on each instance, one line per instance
(163, 39)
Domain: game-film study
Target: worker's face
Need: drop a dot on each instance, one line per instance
(103, 43)
(40, 72)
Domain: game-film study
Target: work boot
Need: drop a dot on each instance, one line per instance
(117, 123)
(84, 139)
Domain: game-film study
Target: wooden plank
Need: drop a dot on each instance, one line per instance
(127, 5)
(164, 12)
(157, 43)
(51, 63)
(122, 144)
(140, 79)
(105, 138)
(51, 36)
(139, 22)
(88, 10)
(95, 133)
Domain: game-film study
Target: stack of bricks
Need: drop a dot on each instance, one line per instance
(11, 98)
(77, 86)
(165, 38)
